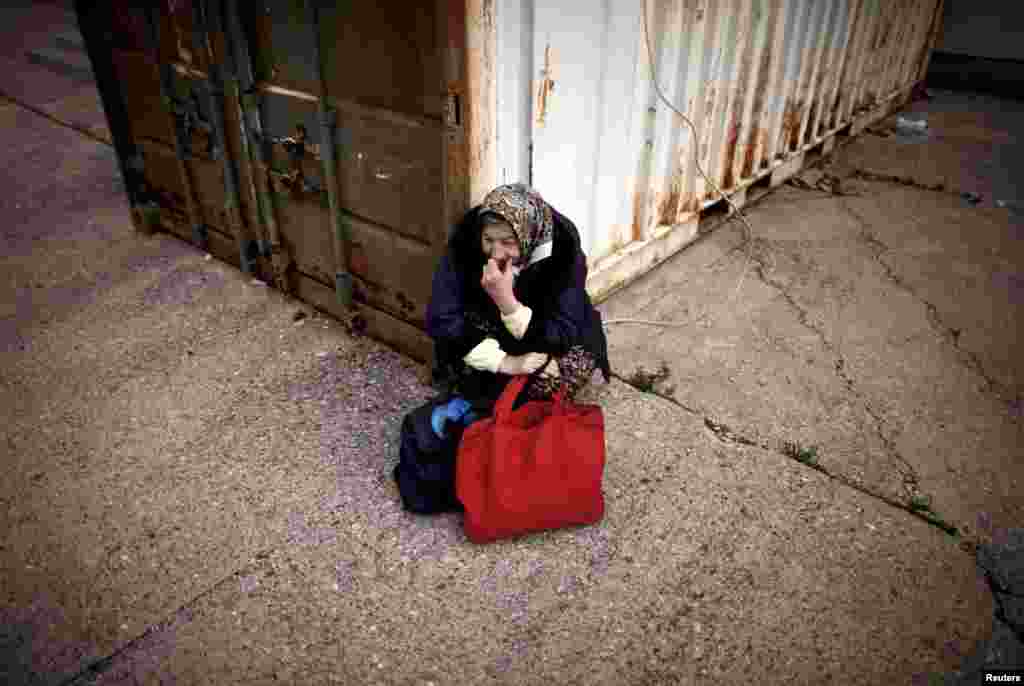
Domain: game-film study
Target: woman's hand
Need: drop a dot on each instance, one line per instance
(498, 285)
(522, 364)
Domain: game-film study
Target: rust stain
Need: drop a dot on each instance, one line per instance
(690, 201)
(660, 206)
(358, 260)
(689, 205)
(739, 94)
(728, 179)
(544, 89)
(790, 134)
(668, 203)
(760, 91)
(750, 153)
(638, 207)
(456, 142)
(794, 133)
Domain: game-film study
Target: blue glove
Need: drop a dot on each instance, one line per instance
(454, 410)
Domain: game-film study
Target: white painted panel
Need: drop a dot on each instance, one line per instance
(619, 147)
(614, 158)
(569, 50)
(514, 58)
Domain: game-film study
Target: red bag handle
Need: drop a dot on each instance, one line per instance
(503, 407)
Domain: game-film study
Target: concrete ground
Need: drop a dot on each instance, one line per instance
(198, 484)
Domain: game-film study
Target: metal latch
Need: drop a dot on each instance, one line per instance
(453, 111)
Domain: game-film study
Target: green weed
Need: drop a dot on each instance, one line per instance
(150, 213)
(808, 456)
(923, 504)
(645, 380)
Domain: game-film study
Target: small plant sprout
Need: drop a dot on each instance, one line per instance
(807, 456)
(646, 380)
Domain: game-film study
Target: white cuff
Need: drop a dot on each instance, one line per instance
(487, 356)
(518, 321)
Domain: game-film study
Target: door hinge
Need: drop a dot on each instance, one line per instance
(453, 110)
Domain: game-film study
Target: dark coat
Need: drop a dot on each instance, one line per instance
(554, 288)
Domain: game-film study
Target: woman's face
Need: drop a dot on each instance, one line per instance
(499, 242)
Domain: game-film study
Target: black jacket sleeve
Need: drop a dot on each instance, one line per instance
(446, 322)
(560, 324)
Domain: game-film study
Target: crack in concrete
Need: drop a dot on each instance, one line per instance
(181, 616)
(909, 475)
(910, 182)
(724, 433)
(950, 334)
(77, 128)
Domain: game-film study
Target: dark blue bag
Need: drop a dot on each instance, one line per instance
(426, 466)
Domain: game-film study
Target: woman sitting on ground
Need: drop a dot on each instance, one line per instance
(508, 298)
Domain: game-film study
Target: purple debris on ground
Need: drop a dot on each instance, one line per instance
(300, 533)
(517, 604)
(344, 578)
(534, 568)
(517, 651)
(569, 584)
(180, 287)
(362, 403)
(595, 539)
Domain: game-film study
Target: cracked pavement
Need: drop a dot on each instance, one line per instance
(197, 487)
(876, 330)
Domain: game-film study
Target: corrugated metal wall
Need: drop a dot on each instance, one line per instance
(329, 146)
(762, 80)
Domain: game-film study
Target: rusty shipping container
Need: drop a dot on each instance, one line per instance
(328, 147)
(768, 84)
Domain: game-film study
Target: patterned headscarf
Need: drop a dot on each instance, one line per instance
(530, 217)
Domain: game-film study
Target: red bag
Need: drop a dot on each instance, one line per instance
(537, 468)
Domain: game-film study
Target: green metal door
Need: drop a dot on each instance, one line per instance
(316, 145)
